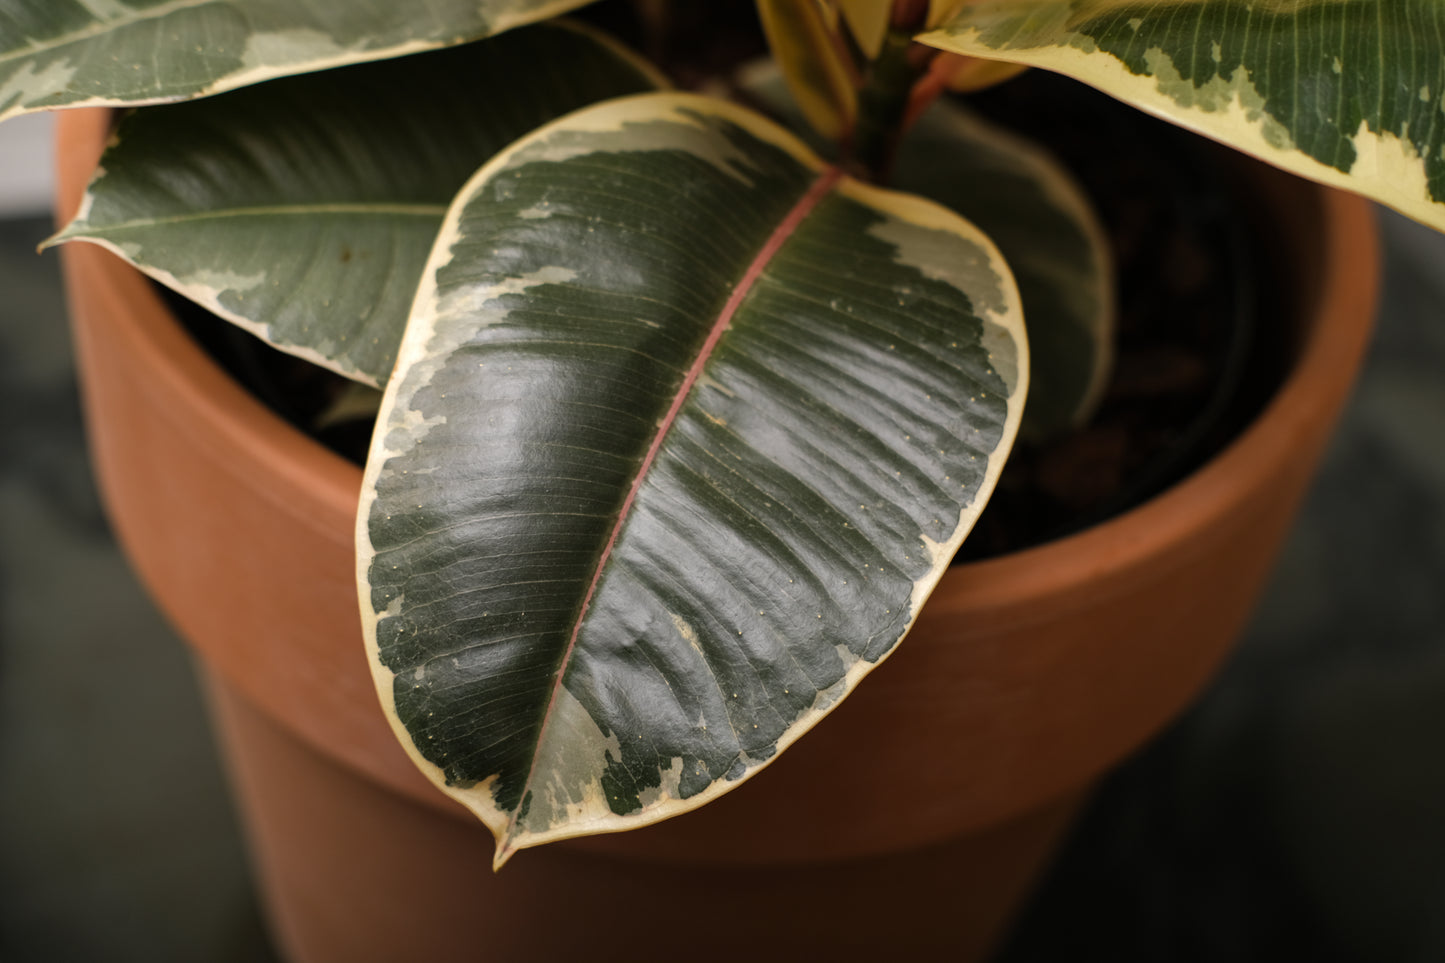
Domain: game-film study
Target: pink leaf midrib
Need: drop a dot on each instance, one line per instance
(799, 212)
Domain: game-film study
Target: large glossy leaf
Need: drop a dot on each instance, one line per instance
(304, 209)
(70, 53)
(1031, 207)
(684, 429)
(1347, 92)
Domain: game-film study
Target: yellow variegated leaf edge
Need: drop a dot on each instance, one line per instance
(798, 35)
(34, 78)
(1008, 351)
(1085, 283)
(1230, 107)
(303, 321)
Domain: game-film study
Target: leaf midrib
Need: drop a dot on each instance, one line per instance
(437, 211)
(820, 188)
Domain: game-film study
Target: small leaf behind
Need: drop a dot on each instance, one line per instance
(801, 35)
(91, 53)
(1031, 207)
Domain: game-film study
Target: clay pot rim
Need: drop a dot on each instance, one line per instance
(1334, 328)
(316, 486)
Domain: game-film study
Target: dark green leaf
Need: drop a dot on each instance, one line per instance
(74, 53)
(303, 209)
(684, 429)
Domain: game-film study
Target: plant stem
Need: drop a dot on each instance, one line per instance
(883, 106)
(928, 88)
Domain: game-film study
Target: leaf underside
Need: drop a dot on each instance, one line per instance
(304, 209)
(1346, 92)
(867, 20)
(71, 53)
(683, 431)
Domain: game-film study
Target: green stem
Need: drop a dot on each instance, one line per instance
(882, 108)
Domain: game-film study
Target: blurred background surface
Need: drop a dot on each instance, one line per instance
(1294, 814)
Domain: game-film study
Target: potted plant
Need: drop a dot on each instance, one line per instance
(683, 420)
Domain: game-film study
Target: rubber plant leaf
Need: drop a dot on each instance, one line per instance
(804, 38)
(965, 75)
(1028, 203)
(86, 53)
(1350, 93)
(1031, 207)
(304, 209)
(685, 427)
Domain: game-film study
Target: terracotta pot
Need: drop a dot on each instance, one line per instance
(913, 819)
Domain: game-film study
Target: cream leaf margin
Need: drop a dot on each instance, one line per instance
(515, 13)
(1386, 168)
(415, 359)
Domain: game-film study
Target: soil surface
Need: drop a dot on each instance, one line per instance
(1200, 344)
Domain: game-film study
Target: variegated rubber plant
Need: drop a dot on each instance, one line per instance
(682, 416)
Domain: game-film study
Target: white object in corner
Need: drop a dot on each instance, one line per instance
(26, 176)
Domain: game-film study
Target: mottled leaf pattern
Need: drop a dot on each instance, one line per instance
(1346, 92)
(1045, 227)
(1030, 206)
(304, 209)
(68, 53)
(684, 429)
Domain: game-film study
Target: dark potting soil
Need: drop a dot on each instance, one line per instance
(1200, 344)
(1201, 340)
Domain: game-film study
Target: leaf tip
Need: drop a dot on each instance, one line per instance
(506, 849)
(54, 240)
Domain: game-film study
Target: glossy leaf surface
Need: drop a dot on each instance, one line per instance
(968, 74)
(1031, 207)
(803, 37)
(684, 429)
(1346, 92)
(72, 53)
(304, 209)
